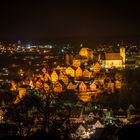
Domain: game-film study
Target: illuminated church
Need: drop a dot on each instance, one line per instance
(116, 60)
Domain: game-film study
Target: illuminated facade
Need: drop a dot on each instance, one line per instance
(93, 87)
(84, 96)
(78, 73)
(86, 53)
(82, 77)
(82, 87)
(22, 92)
(61, 76)
(46, 87)
(96, 68)
(54, 77)
(122, 54)
(46, 77)
(65, 80)
(118, 84)
(71, 86)
(76, 63)
(116, 60)
(70, 71)
(57, 87)
(68, 59)
(86, 74)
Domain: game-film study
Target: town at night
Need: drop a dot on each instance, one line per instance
(69, 70)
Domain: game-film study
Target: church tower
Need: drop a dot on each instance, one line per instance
(122, 54)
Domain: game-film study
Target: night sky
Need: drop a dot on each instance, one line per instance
(72, 20)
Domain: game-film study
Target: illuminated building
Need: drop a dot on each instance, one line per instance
(93, 87)
(65, 80)
(54, 77)
(22, 92)
(118, 84)
(86, 52)
(71, 86)
(96, 68)
(44, 70)
(58, 68)
(46, 87)
(61, 76)
(68, 59)
(38, 84)
(14, 85)
(78, 73)
(70, 71)
(86, 74)
(57, 88)
(84, 96)
(76, 63)
(114, 59)
(82, 87)
(122, 54)
(46, 77)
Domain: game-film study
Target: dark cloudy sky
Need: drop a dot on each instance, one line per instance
(70, 20)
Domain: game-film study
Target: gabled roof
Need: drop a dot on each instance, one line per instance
(71, 86)
(83, 126)
(97, 121)
(54, 76)
(131, 107)
(81, 85)
(91, 114)
(58, 67)
(120, 110)
(86, 73)
(93, 84)
(79, 72)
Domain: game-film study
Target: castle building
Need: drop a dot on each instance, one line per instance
(87, 53)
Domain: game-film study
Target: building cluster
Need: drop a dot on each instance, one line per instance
(88, 75)
(106, 60)
(19, 48)
(91, 120)
(82, 75)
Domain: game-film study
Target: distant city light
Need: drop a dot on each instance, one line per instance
(28, 46)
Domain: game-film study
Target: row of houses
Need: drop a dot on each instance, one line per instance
(86, 124)
(87, 78)
(78, 115)
(85, 120)
(62, 79)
